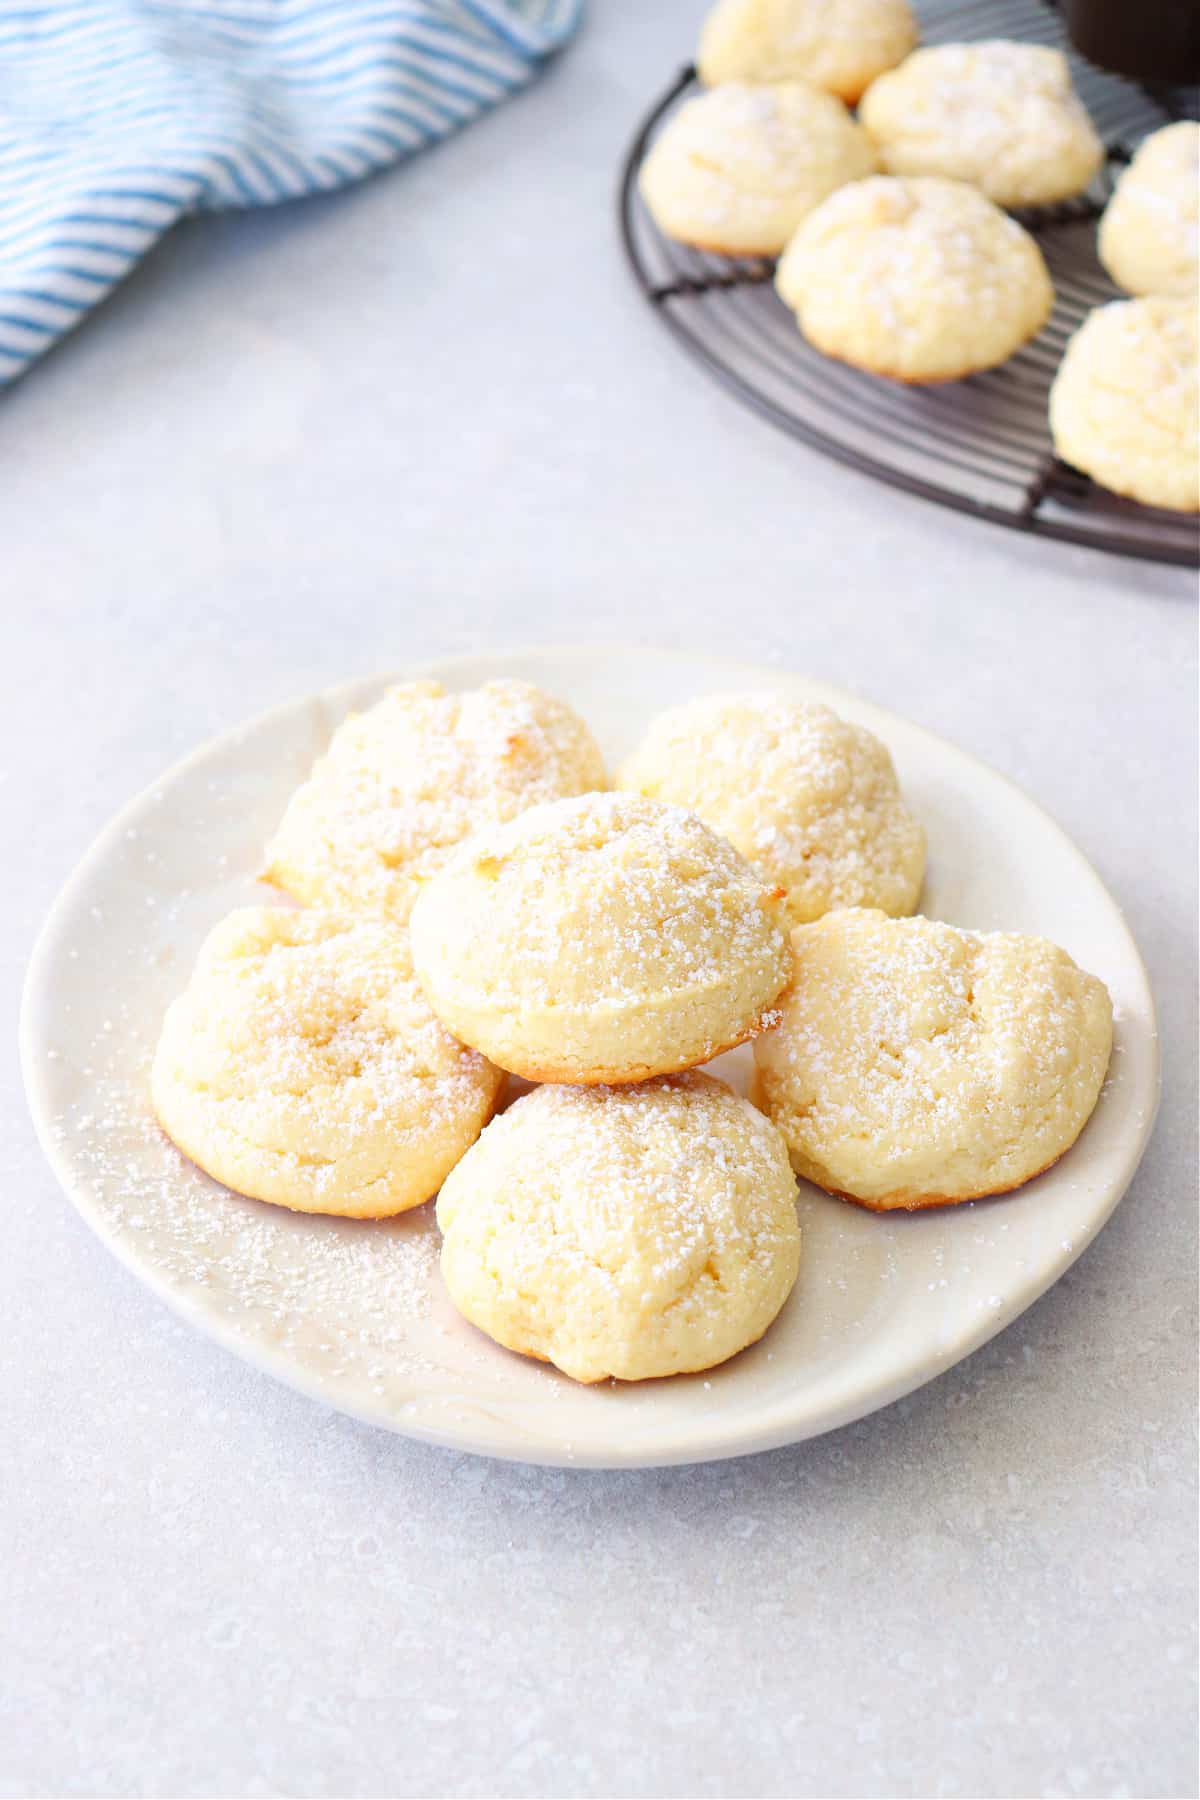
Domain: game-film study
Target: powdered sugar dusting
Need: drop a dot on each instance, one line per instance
(275, 1273)
(355, 1312)
(809, 799)
(740, 166)
(1001, 115)
(304, 1065)
(605, 898)
(918, 1059)
(629, 1231)
(921, 277)
(405, 782)
(673, 1167)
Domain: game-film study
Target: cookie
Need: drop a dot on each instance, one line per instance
(810, 801)
(923, 280)
(402, 785)
(918, 1065)
(838, 45)
(736, 169)
(629, 1232)
(1150, 231)
(302, 1066)
(1123, 407)
(1000, 115)
(604, 939)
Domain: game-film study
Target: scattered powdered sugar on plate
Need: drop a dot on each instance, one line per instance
(271, 1271)
(355, 1313)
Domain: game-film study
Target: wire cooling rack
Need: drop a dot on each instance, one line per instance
(981, 445)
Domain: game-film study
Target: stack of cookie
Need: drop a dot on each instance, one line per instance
(895, 249)
(477, 901)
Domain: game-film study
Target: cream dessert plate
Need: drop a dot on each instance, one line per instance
(353, 1312)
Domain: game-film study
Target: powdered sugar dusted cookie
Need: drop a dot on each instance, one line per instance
(736, 169)
(628, 1232)
(838, 45)
(402, 784)
(603, 939)
(1124, 407)
(921, 280)
(1150, 234)
(810, 801)
(302, 1065)
(1003, 116)
(918, 1065)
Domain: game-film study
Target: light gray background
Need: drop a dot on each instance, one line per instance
(431, 415)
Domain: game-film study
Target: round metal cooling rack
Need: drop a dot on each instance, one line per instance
(981, 445)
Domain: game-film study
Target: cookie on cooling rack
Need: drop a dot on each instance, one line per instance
(918, 1065)
(1124, 406)
(629, 1232)
(303, 1066)
(603, 939)
(736, 169)
(921, 280)
(1150, 232)
(402, 784)
(811, 801)
(838, 45)
(999, 115)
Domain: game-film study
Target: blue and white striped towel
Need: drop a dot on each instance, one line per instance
(119, 116)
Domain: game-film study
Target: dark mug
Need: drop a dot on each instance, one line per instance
(1151, 40)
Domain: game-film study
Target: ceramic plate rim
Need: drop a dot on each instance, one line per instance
(766, 1431)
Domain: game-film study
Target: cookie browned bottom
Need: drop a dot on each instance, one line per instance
(626, 1380)
(922, 381)
(567, 1075)
(927, 1202)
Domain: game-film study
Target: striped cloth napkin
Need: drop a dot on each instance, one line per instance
(119, 116)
